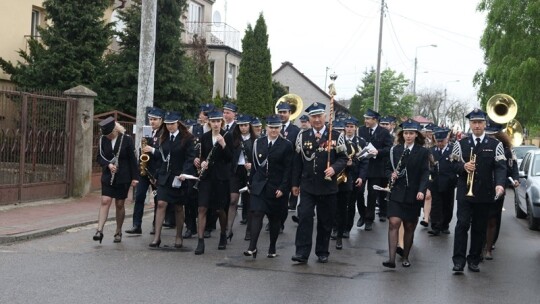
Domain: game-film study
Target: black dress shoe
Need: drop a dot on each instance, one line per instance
(360, 222)
(445, 231)
(187, 234)
(473, 267)
(458, 268)
(339, 244)
(207, 234)
(346, 234)
(168, 225)
(295, 219)
(153, 231)
(399, 251)
(434, 232)
(299, 258)
(134, 230)
(424, 223)
(333, 234)
(389, 264)
(322, 259)
(382, 219)
(369, 227)
(243, 222)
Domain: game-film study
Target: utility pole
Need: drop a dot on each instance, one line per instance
(379, 53)
(147, 51)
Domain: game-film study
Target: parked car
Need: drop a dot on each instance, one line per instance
(527, 200)
(521, 150)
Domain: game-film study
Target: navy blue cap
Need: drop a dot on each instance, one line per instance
(316, 108)
(429, 127)
(410, 125)
(351, 120)
(273, 121)
(215, 115)
(387, 119)
(476, 114)
(256, 122)
(171, 117)
(492, 127)
(107, 125)
(190, 122)
(230, 106)
(304, 118)
(372, 114)
(206, 108)
(339, 124)
(441, 134)
(155, 112)
(243, 119)
(283, 106)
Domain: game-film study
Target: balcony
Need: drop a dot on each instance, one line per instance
(216, 34)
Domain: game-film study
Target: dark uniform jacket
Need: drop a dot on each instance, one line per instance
(511, 166)
(490, 168)
(443, 176)
(382, 141)
(219, 165)
(127, 163)
(271, 168)
(291, 132)
(154, 163)
(413, 173)
(246, 146)
(180, 155)
(359, 167)
(311, 159)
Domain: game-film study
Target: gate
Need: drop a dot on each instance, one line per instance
(36, 146)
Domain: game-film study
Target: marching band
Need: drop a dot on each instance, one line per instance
(322, 170)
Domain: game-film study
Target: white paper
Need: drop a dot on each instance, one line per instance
(176, 183)
(147, 131)
(379, 188)
(188, 176)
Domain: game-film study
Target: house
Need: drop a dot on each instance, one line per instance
(20, 19)
(298, 83)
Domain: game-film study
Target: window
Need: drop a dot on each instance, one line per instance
(36, 20)
(231, 80)
(195, 18)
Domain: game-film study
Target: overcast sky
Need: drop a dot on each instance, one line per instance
(343, 36)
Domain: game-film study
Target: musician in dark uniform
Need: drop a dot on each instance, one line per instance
(197, 130)
(177, 154)
(356, 171)
(381, 140)
(257, 127)
(427, 131)
(155, 118)
(316, 182)
(242, 145)
(443, 184)
(269, 183)
(389, 123)
(304, 123)
(488, 172)
(214, 165)
(116, 155)
(408, 171)
(494, 130)
(229, 115)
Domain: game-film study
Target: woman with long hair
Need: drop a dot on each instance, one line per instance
(495, 211)
(116, 155)
(408, 172)
(242, 144)
(214, 164)
(177, 154)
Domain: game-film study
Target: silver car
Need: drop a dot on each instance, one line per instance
(521, 150)
(527, 202)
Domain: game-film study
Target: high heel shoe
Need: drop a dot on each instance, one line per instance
(230, 236)
(252, 253)
(117, 237)
(200, 247)
(98, 236)
(155, 244)
(222, 242)
(389, 264)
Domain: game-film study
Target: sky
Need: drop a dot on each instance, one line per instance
(341, 37)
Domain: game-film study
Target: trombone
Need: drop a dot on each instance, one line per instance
(470, 176)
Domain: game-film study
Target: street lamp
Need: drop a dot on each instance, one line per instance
(416, 64)
(445, 98)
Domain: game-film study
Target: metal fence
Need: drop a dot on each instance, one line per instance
(36, 146)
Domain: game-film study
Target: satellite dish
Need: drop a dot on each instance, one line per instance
(216, 18)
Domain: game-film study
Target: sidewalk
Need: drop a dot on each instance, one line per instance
(37, 219)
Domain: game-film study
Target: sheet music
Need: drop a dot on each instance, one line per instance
(176, 183)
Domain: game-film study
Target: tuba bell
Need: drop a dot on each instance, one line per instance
(294, 101)
(502, 109)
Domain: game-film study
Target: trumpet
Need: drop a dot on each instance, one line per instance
(342, 176)
(470, 176)
(144, 158)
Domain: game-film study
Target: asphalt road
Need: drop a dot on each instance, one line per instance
(71, 268)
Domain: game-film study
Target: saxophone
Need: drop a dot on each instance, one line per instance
(144, 158)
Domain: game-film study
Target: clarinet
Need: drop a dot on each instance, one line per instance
(209, 160)
(243, 147)
(115, 160)
(396, 170)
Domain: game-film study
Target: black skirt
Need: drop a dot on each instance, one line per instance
(214, 194)
(495, 209)
(238, 179)
(259, 203)
(172, 195)
(407, 212)
(117, 191)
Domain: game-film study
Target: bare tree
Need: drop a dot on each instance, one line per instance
(456, 113)
(431, 105)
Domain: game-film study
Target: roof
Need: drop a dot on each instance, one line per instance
(421, 119)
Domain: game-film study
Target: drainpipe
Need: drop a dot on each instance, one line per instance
(225, 74)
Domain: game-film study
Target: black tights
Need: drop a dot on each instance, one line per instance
(256, 226)
(393, 234)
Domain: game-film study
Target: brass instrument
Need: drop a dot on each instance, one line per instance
(144, 158)
(470, 176)
(342, 176)
(502, 109)
(294, 101)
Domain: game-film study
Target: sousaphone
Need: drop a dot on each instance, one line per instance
(294, 101)
(502, 109)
